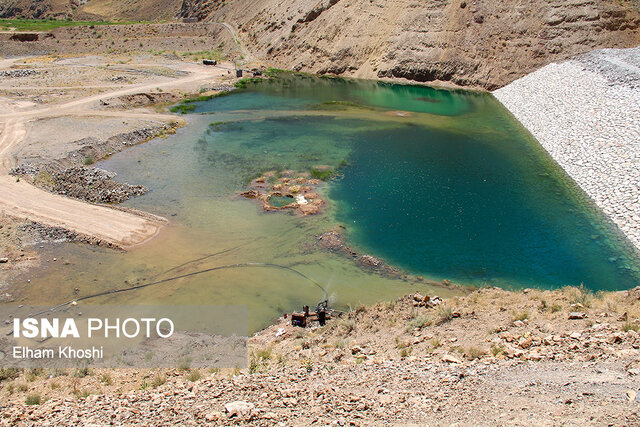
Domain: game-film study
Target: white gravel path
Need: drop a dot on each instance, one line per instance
(586, 113)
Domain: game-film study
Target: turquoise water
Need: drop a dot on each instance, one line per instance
(444, 184)
(465, 204)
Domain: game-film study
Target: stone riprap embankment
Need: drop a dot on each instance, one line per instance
(586, 113)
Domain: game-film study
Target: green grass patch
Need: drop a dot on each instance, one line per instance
(273, 72)
(244, 83)
(49, 24)
(182, 108)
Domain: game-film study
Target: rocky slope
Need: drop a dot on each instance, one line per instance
(564, 357)
(467, 42)
(471, 43)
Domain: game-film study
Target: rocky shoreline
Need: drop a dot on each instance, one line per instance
(493, 357)
(72, 176)
(585, 112)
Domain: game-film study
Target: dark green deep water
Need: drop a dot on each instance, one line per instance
(444, 184)
(473, 199)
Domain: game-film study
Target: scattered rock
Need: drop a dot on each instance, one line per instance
(239, 409)
(576, 315)
(451, 359)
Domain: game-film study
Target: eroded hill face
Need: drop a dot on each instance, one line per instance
(471, 43)
(468, 42)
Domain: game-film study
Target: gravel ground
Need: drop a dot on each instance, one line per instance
(586, 113)
(573, 360)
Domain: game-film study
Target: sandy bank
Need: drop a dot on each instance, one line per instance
(26, 133)
(585, 112)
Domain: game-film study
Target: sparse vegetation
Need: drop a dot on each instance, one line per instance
(580, 295)
(44, 179)
(49, 24)
(9, 373)
(474, 353)
(308, 365)
(215, 54)
(158, 380)
(184, 364)
(81, 372)
(33, 399)
(347, 326)
(106, 379)
(630, 326)
(419, 322)
(496, 350)
(194, 375)
(83, 394)
(260, 358)
(521, 316)
(445, 313)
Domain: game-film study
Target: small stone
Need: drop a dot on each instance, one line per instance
(214, 416)
(270, 416)
(576, 315)
(451, 359)
(239, 409)
(4, 260)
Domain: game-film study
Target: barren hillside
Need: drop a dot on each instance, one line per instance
(472, 43)
(468, 42)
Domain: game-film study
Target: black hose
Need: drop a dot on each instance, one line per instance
(182, 276)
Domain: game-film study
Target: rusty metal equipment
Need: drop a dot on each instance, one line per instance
(305, 317)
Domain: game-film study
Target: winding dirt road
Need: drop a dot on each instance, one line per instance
(123, 229)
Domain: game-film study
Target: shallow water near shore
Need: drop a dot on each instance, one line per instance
(443, 184)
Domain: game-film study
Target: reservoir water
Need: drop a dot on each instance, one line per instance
(443, 184)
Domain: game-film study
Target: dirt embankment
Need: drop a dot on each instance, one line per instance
(491, 357)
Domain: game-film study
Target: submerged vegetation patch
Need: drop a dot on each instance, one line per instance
(182, 108)
(340, 105)
(322, 173)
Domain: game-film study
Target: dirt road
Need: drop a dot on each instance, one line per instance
(22, 200)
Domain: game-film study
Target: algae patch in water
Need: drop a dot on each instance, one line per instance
(281, 201)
